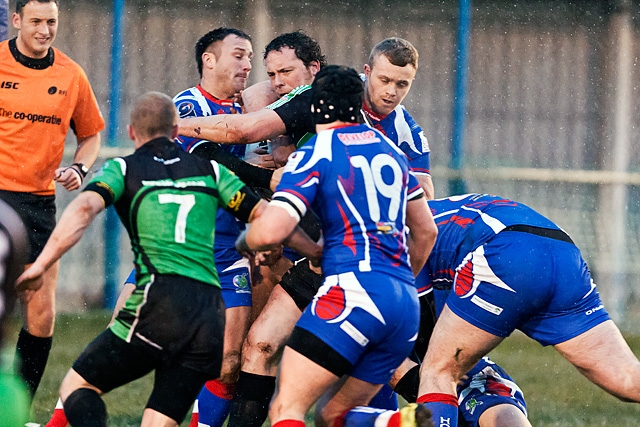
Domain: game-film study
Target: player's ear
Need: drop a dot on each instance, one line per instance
(131, 132)
(367, 70)
(15, 19)
(208, 59)
(174, 131)
(314, 67)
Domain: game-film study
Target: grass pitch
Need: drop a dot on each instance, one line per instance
(557, 395)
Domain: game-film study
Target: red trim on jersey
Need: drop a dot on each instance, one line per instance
(223, 102)
(370, 112)
(447, 399)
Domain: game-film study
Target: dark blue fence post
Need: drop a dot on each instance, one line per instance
(456, 183)
(112, 223)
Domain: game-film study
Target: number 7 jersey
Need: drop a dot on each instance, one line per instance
(358, 183)
(167, 200)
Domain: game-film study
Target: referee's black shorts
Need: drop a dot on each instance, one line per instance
(38, 214)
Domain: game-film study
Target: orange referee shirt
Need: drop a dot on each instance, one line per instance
(36, 108)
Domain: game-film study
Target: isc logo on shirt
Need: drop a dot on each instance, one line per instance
(9, 85)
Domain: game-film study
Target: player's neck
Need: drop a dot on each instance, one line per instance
(215, 90)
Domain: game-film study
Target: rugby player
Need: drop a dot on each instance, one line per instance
(499, 266)
(173, 323)
(368, 304)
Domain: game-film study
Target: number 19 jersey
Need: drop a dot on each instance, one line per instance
(359, 183)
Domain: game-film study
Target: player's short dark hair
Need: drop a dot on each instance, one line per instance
(398, 51)
(22, 3)
(153, 115)
(306, 49)
(213, 36)
(336, 94)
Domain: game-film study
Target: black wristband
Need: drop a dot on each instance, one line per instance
(78, 172)
(80, 168)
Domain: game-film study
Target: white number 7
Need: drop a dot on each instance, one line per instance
(186, 202)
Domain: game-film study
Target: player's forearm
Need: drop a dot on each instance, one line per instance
(223, 129)
(300, 242)
(87, 150)
(234, 128)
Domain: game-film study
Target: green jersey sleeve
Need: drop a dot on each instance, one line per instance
(109, 182)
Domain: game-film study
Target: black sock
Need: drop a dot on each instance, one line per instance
(31, 358)
(85, 408)
(250, 405)
(407, 387)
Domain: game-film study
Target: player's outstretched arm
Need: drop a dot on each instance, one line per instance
(234, 128)
(422, 233)
(74, 221)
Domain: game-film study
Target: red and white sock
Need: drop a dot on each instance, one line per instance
(194, 415)
(58, 418)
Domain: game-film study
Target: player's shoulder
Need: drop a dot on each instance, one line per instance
(402, 113)
(61, 59)
(186, 103)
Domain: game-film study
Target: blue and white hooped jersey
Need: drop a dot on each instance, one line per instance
(468, 221)
(196, 102)
(358, 182)
(406, 134)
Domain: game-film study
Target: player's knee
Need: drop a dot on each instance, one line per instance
(260, 352)
(41, 323)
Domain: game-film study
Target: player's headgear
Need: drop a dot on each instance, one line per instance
(337, 93)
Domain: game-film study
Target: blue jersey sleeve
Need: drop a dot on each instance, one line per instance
(414, 144)
(299, 183)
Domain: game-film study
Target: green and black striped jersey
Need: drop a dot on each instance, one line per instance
(167, 200)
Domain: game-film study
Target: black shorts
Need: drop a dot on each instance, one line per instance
(38, 214)
(181, 322)
(301, 283)
(109, 362)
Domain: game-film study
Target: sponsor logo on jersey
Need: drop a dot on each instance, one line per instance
(186, 109)
(31, 117)
(241, 283)
(366, 137)
(9, 85)
(594, 310)
(471, 405)
(236, 200)
(169, 183)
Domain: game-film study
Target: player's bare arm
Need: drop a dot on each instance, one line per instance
(234, 128)
(262, 236)
(427, 185)
(422, 233)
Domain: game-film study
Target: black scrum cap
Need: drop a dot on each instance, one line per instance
(337, 93)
